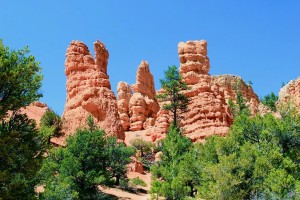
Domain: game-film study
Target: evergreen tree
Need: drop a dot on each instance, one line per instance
(21, 145)
(20, 79)
(240, 107)
(79, 168)
(259, 159)
(167, 181)
(173, 87)
(90, 159)
(50, 125)
(270, 101)
(119, 157)
(21, 155)
(144, 147)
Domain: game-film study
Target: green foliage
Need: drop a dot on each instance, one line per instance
(240, 107)
(90, 159)
(137, 181)
(144, 147)
(20, 79)
(78, 168)
(258, 160)
(50, 125)
(167, 173)
(270, 101)
(173, 87)
(21, 155)
(119, 157)
(91, 123)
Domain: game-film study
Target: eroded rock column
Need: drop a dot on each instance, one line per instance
(89, 91)
(207, 113)
(143, 106)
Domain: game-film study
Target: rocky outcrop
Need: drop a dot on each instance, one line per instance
(143, 106)
(290, 93)
(230, 84)
(124, 95)
(89, 91)
(207, 113)
(35, 111)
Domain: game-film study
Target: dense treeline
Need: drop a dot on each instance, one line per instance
(259, 159)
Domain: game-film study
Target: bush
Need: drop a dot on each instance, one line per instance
(137, 181)
(52, 120)
(144, 147)
(270, 101)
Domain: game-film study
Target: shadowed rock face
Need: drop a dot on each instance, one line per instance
(89, 91)
(290, 93)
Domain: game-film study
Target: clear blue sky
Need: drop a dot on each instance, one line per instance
(257, 40)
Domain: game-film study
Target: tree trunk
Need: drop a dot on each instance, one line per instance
(175, 118)
(192, 190)
(117, 179)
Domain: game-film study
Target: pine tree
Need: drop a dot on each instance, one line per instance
(173, 86)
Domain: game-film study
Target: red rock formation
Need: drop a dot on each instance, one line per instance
(124, 95)
(230, 83)
(35, 111)
(162, 122)
(208, 113)
(143, 106)
(290, 93)
(88, 90)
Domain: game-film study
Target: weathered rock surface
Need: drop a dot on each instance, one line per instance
(162, 122)
(143, 106)
(35, 111)
(124, 95)
(89, 91)
(290, 93)
(208, 113)
(230, 84)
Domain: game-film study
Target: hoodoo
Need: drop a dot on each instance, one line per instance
(208, 113)
(89, 91)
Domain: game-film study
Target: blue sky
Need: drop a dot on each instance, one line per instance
(257, 40)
